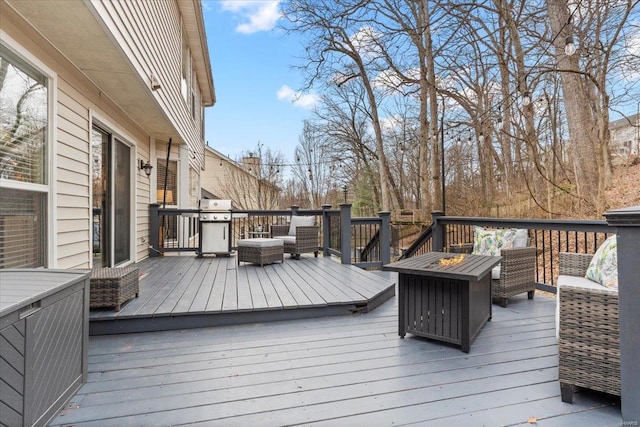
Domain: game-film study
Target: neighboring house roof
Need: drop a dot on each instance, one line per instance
(207, 195)
(624, 122)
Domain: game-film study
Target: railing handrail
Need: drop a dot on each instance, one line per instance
(549, 236)
(378, 245)
(422, 239)
(282, 212)
(535, 224)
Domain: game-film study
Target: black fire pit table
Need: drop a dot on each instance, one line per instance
(444, 296)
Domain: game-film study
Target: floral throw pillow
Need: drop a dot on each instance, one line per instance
(603, 267)
(490, 242)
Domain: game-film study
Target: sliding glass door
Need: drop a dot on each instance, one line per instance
(111, 199)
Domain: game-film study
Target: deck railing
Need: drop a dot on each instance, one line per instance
(550, 237)
(172, 230)
(364, 242)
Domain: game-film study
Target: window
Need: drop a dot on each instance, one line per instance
(186, 69)
(24, 129)
(171, 174)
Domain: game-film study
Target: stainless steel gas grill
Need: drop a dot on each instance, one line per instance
(215, 227)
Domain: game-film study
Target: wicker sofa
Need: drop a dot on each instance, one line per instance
(515, 275)
(589, 334)
(298, 239)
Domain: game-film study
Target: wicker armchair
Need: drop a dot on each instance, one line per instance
(589, 334)
(306, 239)
(517, 272)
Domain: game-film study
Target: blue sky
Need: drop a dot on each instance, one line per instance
(255, 85)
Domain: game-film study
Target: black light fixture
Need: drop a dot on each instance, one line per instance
(345, 192)
(146, 167)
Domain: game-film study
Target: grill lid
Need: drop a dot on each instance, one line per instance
(215, 205)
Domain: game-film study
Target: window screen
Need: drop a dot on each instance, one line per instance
(172, 181)
(24, 121)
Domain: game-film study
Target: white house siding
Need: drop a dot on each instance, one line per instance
(150, 34)
(625, 139)
(71, 190)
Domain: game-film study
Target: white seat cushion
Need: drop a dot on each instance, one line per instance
(259, 243)
(580, 282)
(495, 272)
(287, 239)
(300, 221)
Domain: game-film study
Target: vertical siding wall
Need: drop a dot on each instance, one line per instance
(150, 34)
(73, 170)
(75, 98)
(73, 179)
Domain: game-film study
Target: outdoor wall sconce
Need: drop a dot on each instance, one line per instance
(146, 167)
(155, 83)
(526, 98)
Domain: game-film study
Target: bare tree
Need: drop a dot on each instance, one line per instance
(339, 50)
(313, 166)
(598, 28)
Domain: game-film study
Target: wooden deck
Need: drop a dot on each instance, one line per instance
(185, 292)
(343, 370)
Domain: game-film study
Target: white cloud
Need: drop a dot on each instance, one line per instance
(365, 42)
(307, 101)
(390, 124)
(256, 15)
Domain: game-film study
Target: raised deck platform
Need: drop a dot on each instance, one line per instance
(178, 292)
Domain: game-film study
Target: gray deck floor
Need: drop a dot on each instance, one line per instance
(342, 370)
(186, 291)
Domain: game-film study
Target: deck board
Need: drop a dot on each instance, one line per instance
(187, 291)
(344, 370)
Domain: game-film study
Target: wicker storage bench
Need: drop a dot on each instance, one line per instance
(589, 334)
(260, 251)
(111, 287)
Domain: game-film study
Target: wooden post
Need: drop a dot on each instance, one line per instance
(345, 233)
(385, 237)
(438, 232)
(627, 223)
(326, 230)
(154, 228)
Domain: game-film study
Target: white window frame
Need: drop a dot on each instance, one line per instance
(51, 259)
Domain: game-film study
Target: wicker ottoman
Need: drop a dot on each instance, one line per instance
(260, 251)
(110, 287)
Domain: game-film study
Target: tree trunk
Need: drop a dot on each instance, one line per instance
(583, 128)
